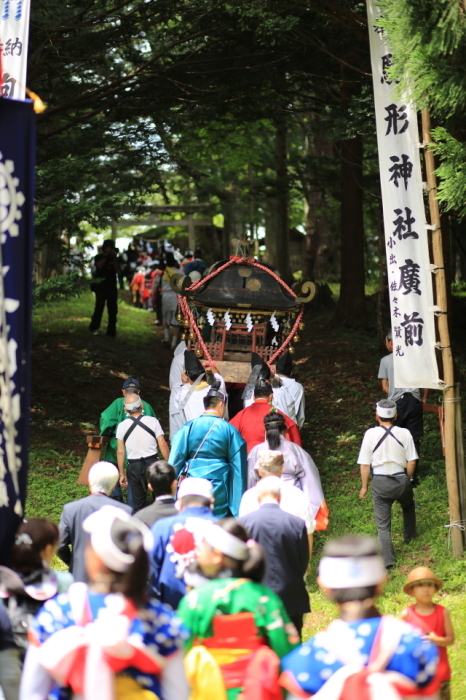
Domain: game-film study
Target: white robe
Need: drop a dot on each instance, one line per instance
(195, 405)
(174, 382)
(296, 390)
(299, 468)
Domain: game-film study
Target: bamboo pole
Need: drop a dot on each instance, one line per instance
(460, 456)
(447, 357)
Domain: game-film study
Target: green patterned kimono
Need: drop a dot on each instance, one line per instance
(232, 595)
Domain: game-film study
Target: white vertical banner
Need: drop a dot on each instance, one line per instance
(406, 233)
(14, 35)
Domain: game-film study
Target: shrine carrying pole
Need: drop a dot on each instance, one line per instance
(449, 394)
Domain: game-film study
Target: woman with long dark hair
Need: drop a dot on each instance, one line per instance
(105, 639)
(299, 467)
(238, 626)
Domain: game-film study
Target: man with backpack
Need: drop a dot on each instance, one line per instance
(389, 451)
(138, 438)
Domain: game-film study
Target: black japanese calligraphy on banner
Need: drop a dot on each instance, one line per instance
(408, 263)
(14, 34)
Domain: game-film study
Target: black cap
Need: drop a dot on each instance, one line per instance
(131, 383)
(262, 388)
(285, 365)
(192, 365)
(215, 391)
(257, 360)
(108, 243)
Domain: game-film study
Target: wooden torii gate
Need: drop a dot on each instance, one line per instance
(154, 212)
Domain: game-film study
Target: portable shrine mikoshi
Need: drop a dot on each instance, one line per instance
(240, 306)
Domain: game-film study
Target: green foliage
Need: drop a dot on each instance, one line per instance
(452, 171)
(61, 287)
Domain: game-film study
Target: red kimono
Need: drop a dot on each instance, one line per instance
(250, 423)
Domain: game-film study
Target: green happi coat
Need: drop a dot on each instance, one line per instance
(109, 420)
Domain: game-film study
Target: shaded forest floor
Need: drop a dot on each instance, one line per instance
(76, 375)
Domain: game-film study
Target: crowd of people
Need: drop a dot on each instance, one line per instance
(147, 269)
(189, 557)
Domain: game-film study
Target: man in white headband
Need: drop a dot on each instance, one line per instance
(390, 452)
(138, 438)
(352, 574)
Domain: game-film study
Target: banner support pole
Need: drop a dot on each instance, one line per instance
(447, 356)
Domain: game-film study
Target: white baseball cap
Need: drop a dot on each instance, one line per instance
(192, 486)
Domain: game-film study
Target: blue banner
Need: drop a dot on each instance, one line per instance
(17, 163)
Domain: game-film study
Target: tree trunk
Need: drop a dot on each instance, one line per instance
(233, 226)
(282, 262)
(351, 309)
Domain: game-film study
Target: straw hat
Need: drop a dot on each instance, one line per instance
(419, 575)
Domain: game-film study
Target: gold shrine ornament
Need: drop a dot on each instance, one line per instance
(244, 271)
(199, 353)
(253, 285)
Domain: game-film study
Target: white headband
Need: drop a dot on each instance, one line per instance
(351, 572)
(133, 406)
(386, 411)
(228, 544)
(99, 526)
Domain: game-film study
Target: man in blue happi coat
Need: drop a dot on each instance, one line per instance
(210, 448)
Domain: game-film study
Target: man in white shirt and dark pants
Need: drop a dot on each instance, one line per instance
(138, 436)
(390, 451)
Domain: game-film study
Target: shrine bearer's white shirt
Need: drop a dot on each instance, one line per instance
(390, 457)
(140, 444)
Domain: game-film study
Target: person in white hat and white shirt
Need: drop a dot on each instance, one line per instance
(390, 452)
(175, 538)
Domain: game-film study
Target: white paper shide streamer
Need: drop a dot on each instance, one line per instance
(406, 236)
(249, 322)
(274, 323)
(227, 319)
(14, 34)
(210, 317)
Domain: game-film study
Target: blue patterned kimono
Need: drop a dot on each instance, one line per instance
(309, 666)
(156, 626)
(222, 459)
